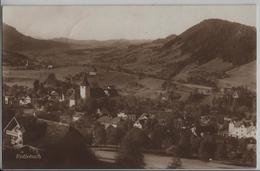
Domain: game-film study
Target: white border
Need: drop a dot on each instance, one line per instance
(157, 2)
(124, 2)
(258, 85)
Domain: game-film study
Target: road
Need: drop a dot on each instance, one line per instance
(153, 161)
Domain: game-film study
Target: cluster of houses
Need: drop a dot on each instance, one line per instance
(229, 128)
(240, 129)
(50, 93)
(55, 91)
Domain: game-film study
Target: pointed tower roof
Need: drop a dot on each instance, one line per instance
(84, 81)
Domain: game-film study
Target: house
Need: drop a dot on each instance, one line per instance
(92, 73)
(111, 91)
(193, 130)
(72, 97)
(137, 124)
(25, 100)
(222, 129)
(115, 121)
(205, 120)
(122, 115)
(13, 134)
(179, 123)
(200, 89)
(50, 67)
(131, 117)
(7, 99)
(105, 120)
(77, 116)
(240, 130)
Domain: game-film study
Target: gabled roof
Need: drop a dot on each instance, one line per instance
(115, 120)
(104, 119)
(12, 124)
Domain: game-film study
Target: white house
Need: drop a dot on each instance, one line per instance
(13, 133)
(122, 115)
(138, 125)
(50, 66)
(25, 100)
(92, 73)
(72, 102)
(239, 130)
(72, 98)
(6, 99)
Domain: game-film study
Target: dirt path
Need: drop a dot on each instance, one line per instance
(153, 161)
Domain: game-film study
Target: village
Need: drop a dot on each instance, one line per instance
(40, 117)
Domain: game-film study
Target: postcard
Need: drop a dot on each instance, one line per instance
(129, 87)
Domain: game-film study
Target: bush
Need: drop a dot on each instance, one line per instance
(130, 154)
(175, 164)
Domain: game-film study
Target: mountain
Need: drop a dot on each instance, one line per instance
(16, 41)
(201, 55)
(101, 43)
(233, 42)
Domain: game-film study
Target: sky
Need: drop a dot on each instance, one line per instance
(118, 22)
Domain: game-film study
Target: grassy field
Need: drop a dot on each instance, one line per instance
(127, 84)
(26, 77)
(244, 75)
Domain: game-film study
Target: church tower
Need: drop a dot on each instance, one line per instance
(84, 88)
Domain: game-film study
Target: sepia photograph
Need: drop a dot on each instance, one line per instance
(129, 87)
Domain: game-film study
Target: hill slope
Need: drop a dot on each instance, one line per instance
(207, 50)
(16, 41)
(202, 54)
(243, 75)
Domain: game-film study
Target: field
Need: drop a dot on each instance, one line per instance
(243, 75)
(124, 82)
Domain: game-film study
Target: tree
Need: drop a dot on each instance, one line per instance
(157, 136)
(221, 152)
(99, 134)
(123, 127)
(112, 135)
(175, 164)
(184, 145)
(130, 154)
(36, 85)
(71, 152)
(207, 147)
(195, 144)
